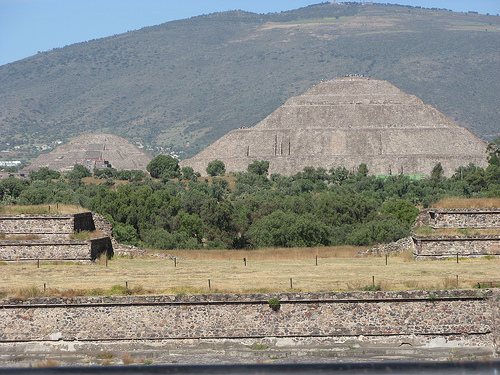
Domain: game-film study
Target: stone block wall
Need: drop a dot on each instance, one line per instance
(83, 221)
(32, 250)
(52, 237)
(467, 317)
(76, 250)
(465, 218)
(436, 247)
(46, 224)
(444, 246)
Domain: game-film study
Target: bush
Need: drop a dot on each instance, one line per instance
(274, 303)
(216, 168)
(126, 234)
(164, 166)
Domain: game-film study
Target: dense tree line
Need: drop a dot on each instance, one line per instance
(316, 207)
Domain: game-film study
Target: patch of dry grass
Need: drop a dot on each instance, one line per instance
(264, 272)
(86, 235)
(468, 203)
(268, 253)
(21, 237)
(48, 363)
(56, 208)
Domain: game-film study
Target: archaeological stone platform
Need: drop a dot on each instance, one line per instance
(47, 238)
(416, 319)
(345, 122)
(463, 245)
(94, 150)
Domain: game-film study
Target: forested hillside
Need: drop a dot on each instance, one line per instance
(184, 84)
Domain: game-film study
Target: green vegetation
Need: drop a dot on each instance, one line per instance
(216, 168)
(164, 166)
(175, 94)
(274, 303)
(312, 208)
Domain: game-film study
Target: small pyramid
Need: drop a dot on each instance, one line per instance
(100, 150)
(345, 122)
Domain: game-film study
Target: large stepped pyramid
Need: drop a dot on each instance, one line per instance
(99, 150)
(345, 122)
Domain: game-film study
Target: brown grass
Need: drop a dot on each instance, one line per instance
(264, 272)
(21, 237)
(86, 235)
(56, 208)
(127, 359)
(268, 254)
(48, 363)
(468, 203)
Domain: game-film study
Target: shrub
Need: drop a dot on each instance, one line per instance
(216, 168)
(274, 303)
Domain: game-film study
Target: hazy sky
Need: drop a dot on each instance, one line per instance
(29, 26)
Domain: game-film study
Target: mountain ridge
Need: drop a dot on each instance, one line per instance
(183, 84)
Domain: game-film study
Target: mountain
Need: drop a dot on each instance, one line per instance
(186, 83)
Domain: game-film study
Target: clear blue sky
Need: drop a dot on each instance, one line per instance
(29, 26)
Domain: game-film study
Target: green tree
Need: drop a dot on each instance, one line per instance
(126, 234)
(401, 209)
(45, 173)
(216, 168)
(437, 172)
(281, 229)
(78, 172)
(12, 187)
(362, 170)
(259, 167)
(188, 173)
(164, 166)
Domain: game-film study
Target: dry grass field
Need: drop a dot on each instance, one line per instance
(43, 209)
(265, 271)
(468, 203)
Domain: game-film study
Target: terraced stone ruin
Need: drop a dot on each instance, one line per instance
(471, 233)
(94, 151)
(345, 122)
(47, 237)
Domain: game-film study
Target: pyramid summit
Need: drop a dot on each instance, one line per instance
(345, 122)
(94, 150)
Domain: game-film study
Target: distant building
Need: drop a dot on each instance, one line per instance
(94, 151)
(15, 163)
(345, 122)
(92, 164)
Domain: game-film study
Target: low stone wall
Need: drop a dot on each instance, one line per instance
(412, 317)
(459, 218)
(88, 250)
(46, 224)
(426, 247)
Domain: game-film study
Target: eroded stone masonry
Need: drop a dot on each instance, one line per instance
(469, 243)
(462, 317)
(47, 238)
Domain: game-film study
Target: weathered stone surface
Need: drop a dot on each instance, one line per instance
(46, 224)
(49, 237)
(120, 153)
(454, 315)
(346, 122)
(465, 245)
(479, 218)
(426, 247)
